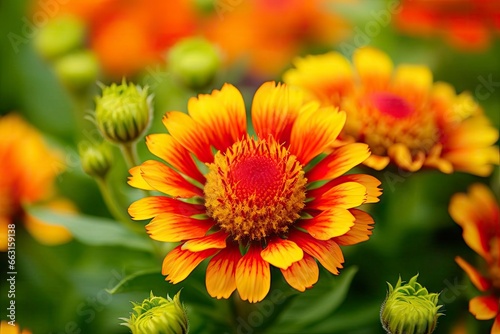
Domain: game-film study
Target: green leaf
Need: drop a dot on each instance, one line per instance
(315, 305)
(94, 231)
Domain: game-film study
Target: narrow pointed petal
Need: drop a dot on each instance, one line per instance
(314, 130)
(484, 307)
(345, 195)
(220, 115)
(173, 228)
(136, 180)
(328, 224)
(327, 252)
(221, 271)
(186, 131)
(479, 281)
(214, 240)
(178, 264)
(253, 276)
(360, 231)
(166, 180)
(149, 207)
(274, 110)
(281, 253)
(339, 162)
(164, 146)
(303, 274)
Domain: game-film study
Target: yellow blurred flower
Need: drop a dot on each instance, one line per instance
(403, 116)
(5, 328)
(478, 213)
(29, 170)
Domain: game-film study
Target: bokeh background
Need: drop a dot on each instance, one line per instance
(53, 52)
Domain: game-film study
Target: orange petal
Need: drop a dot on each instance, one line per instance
(164, 146)
(314, 130)
(281, 253)
(4, 233)
(476, 278)
(173, 228)
(484, 307)
(371, 184)
(214, 240)
(345, 195)
(328, 224)
(178, 264)
(221, 115)
(220, 278)
(166, 180)
(253, 276)
(338, 162)
(360, 231)
(187, 132)
(301, 275)
(402, 157)
(377, 162)
(136, 180)
(327, 252)
(373, 77)
(274, 110)
(496, 325)
(149, 207)
(412, 80)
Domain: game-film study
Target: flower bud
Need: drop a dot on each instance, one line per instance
(194, 61)
(60, 36)
(123, 112)
(78, 70)
(410, 309)
(158, 315)
(96, 159)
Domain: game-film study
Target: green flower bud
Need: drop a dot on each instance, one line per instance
(60, 36)
(158, 315)
(123, 112)
(194, 61)
(77, 71)
(410, 309)
(96, 159)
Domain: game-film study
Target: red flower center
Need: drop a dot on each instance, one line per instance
(255, 189)
(391, 104)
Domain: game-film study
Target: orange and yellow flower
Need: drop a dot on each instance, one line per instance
(29, 169)
(401, 114)
(252, 202)
(6, 328)
(267, 34)
(478, 214)
(465, 24)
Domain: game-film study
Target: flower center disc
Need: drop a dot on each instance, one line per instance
(391, 104)
(255, 189)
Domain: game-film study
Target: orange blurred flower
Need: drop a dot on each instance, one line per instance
(466, 24)
(128, 35)
(256, 196)
(5, 328)
(268, 33)
(401, 114)
(29, 169)
(478, 213)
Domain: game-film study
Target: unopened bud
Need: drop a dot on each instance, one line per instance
(123, 112)
(78, 70)
(410, 309)
(194, 61)
(96, 159)
(60, 36)
(158, 315)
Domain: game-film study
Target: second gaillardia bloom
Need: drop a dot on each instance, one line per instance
(252, 202)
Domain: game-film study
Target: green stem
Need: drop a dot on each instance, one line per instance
(129, 152)
(115, 209)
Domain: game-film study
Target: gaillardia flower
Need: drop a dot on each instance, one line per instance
(257, 201)
(401, 114)
(478, 214)
(30, 168)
